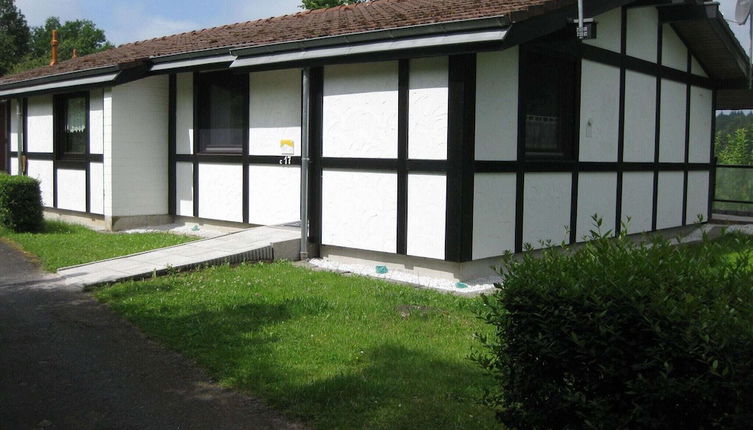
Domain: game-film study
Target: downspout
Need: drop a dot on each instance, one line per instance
(305, 131)
(20, 137)
(581, 28)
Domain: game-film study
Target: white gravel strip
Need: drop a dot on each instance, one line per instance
(485, 285)
(697, 234)
(185, 229)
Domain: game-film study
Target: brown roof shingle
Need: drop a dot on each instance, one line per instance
(341, 20)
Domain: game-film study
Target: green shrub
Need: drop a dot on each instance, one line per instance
(20, 203)
(623, 335)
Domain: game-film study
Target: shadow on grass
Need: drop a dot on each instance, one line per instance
(248, 345)
(398, 388)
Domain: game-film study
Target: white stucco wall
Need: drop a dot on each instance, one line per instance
(669, 204)
(698, 196)
(674, 53)
(640, 117)
(701, 113)
(497, 105)
(599, 112)
(184, 189)
(361, 110)
(359, 210)
(274, 194)
(42, 170)
(426, 215)
(609, 30)
(107, 150)
(642, 33)
(546, 213)
(96, 178)
(428, 107)
(15, 125)
(493, 214)
(39, 127)
(184, 113)
(596, 196)
(14, 166)
(72, 190)
(221, 192)
(637, 200)
(275, 111)
(697, 69)
(139, 147)
(96, 121)
(672, 132)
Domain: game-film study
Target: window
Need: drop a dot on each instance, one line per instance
(549, 98)
(222, 112)
(72, 124)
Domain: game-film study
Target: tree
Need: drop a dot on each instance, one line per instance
(736, 147)
(14, 35)
(321, 4)
(81, 35)
(734, 138)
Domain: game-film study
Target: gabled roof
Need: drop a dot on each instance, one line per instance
(342, 20)
(385, 21)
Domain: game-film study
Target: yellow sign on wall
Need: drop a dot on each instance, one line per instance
(287, 147)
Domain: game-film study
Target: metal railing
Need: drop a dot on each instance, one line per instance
(733, 190)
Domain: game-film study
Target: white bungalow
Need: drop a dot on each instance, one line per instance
(441, 133)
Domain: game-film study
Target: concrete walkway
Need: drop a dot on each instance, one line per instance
(255, 244)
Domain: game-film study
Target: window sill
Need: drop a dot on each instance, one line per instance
(221, 151)
(542, 156)
(83, 158)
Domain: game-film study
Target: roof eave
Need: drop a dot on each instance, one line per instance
(221, 56)
(732, 43)
(441, 28)
(78, 74)
(114, 75)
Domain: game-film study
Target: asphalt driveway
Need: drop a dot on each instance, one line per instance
(68, 362)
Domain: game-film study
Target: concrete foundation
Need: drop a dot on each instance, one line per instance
(95, 222)
(130, 222)
(459, 272)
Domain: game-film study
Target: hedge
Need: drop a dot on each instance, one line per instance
(20, 203)
(623, 335)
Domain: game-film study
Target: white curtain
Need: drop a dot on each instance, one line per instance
(76, 118)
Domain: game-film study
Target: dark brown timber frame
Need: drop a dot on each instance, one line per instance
(461, 166)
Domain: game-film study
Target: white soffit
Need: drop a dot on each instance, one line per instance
(373, 47)
(61, 84)
(192, 62)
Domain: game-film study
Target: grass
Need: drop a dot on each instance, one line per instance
(333, 351)
(330, 350)
(62, 244)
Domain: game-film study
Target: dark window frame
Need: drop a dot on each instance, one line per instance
(239, 85)
(562, 48)
(60, 114)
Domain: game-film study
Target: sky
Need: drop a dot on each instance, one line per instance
(131, 20)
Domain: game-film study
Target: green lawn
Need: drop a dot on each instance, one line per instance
(333, 351)
(62, 244)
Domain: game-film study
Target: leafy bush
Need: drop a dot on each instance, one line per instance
(618, 334)
(20, 203)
